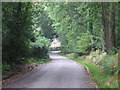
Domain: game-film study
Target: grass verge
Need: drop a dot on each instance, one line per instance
(103, 80)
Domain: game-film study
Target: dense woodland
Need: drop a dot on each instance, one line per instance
(84, 27)
(28, 28)
(23, 31)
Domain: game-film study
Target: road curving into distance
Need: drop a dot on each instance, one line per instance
(61, 72)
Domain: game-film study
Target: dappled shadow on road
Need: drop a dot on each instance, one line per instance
(55, 56)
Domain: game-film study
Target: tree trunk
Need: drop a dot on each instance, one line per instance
(105, 28)
(112, 26)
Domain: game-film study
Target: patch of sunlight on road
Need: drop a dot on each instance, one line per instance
(55, 51)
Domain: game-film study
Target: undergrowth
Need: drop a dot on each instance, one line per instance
(35, 61)
(104, 68)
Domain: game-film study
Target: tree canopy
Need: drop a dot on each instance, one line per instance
(81, 27)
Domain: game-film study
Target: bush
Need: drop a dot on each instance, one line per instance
(75, 55)
(110, 66)
(102, 71)
(107, 63)
(5, 67)
(40, 48)
(37, 61)
(84, 43)
(40, 52)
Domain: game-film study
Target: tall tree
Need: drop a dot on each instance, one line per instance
(112, 25)
(17, 30)
(106, 27)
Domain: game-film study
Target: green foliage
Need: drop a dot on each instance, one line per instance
(40, 48)
(110, 67)
(73, 20)
(42, 23)
(16, 31)
(21, 27)
(107, 63)
(41, 42)
(79, 27)
(84, 43)
(102, 79)
(74, 26)
(5, 67)
(37, 61)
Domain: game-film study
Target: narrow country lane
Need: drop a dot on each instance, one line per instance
(60, 73)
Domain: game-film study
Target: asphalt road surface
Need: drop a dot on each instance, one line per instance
(61, 72)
